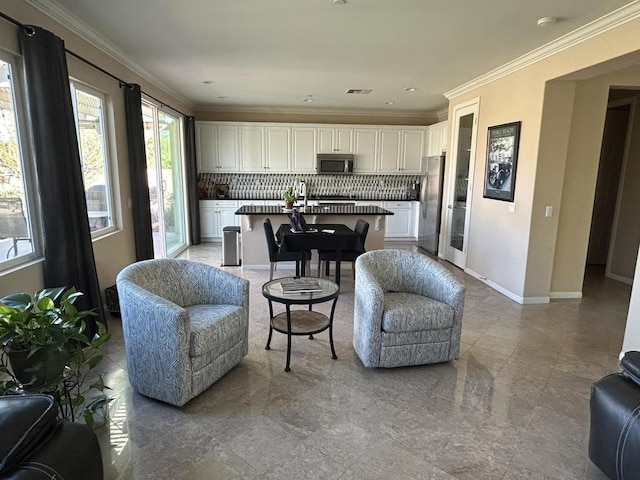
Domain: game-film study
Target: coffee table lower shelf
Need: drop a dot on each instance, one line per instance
(303, 322)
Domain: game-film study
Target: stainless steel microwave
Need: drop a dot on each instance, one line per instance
(335, 163)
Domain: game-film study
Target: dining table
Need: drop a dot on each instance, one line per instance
(319, 236)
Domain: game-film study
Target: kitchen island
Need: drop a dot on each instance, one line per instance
(253, 241)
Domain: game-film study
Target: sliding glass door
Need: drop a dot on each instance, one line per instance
(165, 173)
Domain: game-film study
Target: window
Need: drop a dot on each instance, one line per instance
(88, 107)
(17, 217)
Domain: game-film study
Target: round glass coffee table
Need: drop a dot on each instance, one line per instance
(300, 322)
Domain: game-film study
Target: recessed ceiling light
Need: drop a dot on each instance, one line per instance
(222, 97)
(339, 2)
(208, 82)
(546, 21)
(308, 100)
(389, 103)
(410, 89)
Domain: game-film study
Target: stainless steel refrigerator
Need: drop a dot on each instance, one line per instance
(430, 203)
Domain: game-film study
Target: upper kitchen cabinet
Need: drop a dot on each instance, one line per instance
(335, 140)
(437, 141)
(413, 148)
(365, 147)
(227, 159)
(278, 151)
(264, 149)
(216, 147)
(252, 157)
(400, 151)
(303, 149)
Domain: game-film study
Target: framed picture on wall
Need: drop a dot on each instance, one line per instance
(502, 159)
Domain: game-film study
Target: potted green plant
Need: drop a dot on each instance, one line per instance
(289, 198)
(45, 349)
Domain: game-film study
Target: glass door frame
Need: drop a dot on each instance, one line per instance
(459, 256)
(157, 109)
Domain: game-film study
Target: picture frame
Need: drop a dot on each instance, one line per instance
(502, 159)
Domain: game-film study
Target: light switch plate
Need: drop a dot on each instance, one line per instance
(548, 211)
(512, 207)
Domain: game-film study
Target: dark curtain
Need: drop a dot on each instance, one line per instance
(192, 180)
(140, 202)
(68, 251)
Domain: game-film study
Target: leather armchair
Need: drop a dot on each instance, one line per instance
(614, 438)
(35, 445)
(185, 325)
(407, 311)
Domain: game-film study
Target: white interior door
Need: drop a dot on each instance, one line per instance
(463, 150)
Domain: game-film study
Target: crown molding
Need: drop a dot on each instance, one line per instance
(62, 16)
(597, 27)
(315, 111)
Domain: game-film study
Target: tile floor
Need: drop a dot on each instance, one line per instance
(514, 406)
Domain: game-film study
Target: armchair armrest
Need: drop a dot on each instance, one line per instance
(630, 364)
(367, 315)
(160, 329)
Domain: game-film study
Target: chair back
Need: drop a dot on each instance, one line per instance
(272, 246)
(362, 228)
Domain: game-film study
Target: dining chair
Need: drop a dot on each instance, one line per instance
(276, 255)
(328, 256)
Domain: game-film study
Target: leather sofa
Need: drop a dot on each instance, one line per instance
(36, 445)
(614, 439)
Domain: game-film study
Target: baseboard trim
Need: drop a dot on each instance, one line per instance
(564, 295)
(619, 278)
(508, 293)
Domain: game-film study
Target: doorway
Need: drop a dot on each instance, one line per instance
(613, 239)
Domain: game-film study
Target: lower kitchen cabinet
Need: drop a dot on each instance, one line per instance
(214, 216)
(400, 225)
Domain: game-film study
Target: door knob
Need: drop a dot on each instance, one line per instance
(450, 207)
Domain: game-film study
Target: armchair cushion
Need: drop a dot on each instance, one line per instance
(408, 312)
(214, 327)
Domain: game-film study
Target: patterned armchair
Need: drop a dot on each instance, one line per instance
(408, 310)
(185, 325)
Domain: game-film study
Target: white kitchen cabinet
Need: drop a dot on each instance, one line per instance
(252, 157)
(227, 159)
(413, 148)
(214, 216)
(400, 225)
(437, 138)
(278, 141)
(365, 147)
(388, 150)
(401, 151)
(303, 149)
(216, 147)
(335, 140)
(207, 147)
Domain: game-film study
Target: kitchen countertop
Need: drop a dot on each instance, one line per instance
(323, 199)
(326, 210)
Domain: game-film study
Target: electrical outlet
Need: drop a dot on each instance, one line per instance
(548, 211)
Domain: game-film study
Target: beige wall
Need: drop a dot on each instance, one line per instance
(315, 117)
(515, 250)
(116, 250)
(578, 192)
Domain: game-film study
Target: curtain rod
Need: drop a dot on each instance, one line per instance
(90, 63)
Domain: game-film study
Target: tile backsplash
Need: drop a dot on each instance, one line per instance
(271, 186)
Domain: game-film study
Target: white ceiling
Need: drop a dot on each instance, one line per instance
(276, 53)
